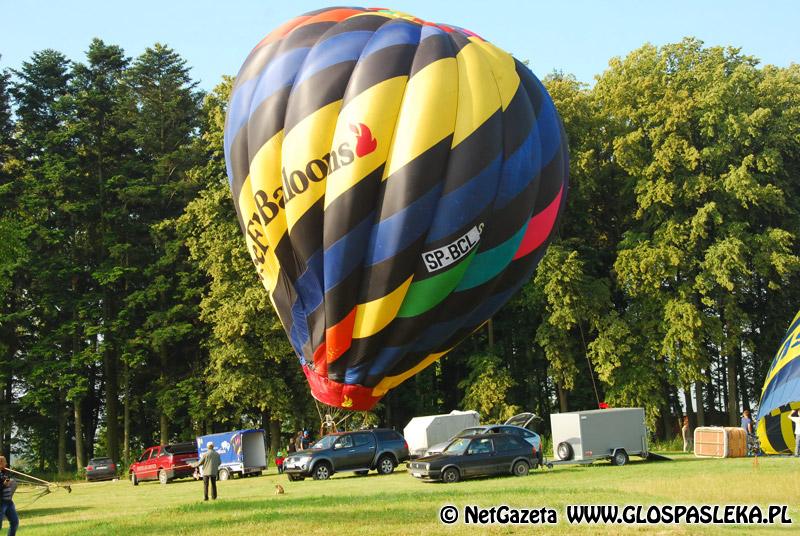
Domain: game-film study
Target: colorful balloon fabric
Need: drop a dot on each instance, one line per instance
(396, 182)
(781, 395)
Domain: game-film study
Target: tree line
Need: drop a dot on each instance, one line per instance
(131, 315)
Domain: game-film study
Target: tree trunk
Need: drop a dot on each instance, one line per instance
(91, 408)
(274, 436)
(723, 384)
(163, 418)
(61, 460)
(5, 410)
(387, 400)
(733, 400)
(164, 428)
(563, 402)
(110, 366)
(701, 409)
(687, 397)
(126, 419)
(490, 331)
(80, 460)
(667, 420)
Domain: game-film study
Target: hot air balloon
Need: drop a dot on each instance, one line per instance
(781, 395)
(396, 182)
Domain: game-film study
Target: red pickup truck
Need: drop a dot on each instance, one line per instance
(164, 463)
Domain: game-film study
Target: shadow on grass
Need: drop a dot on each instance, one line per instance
(32, 511)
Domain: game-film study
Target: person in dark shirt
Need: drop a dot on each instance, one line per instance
(7, 509)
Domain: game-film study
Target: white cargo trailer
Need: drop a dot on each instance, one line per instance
(587, 436)
(424, 432)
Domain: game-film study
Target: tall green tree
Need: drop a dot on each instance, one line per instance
(714, 226)
(14, 254)
(49, 188)
(100, 128)
(165, 120)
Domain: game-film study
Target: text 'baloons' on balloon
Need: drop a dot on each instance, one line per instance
(396, 182)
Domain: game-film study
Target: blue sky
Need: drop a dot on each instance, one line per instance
(576, 37)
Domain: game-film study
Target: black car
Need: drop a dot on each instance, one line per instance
(358, 451)
(101, 469)
(477, 455)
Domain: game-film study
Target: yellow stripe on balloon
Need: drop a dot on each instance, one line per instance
(502, 65)
(390, 382)
(478, 99)
(309, 140)
(265, 176)
(787, 429)
(258, 246)
(427, 113)
(373, 316)
(375, 108)
(761, 432)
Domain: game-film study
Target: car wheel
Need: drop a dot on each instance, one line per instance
(450, 475)
(362, 473)
(620, 458)
(162, 477)
(385, 465)
(224, 474)
(322, 471)
(520, 468)
(564, 451)
(134, 479)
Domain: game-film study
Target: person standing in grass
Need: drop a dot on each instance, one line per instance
(795, 418)
(209, 462)
(747, 422)
(7, 509)
(686, 432)
(279, 462)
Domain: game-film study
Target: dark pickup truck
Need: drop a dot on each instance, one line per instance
(359, 451)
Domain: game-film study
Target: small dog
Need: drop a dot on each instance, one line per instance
(279, 489)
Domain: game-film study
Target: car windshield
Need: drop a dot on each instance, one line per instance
(458, 446)
(324, 443)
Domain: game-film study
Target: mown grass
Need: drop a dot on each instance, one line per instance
(399, 504)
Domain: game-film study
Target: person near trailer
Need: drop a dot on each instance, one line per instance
(279, 462)
(209, 461)
(8, 486)
(686, 433)
(747, 422)
(795, 418)
(298, 441)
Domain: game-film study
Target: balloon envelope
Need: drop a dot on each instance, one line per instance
(396, 182)
(780, 395)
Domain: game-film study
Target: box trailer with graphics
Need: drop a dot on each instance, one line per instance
(241, 452)
(602, 434)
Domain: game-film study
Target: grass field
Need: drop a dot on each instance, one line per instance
(399, 504)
